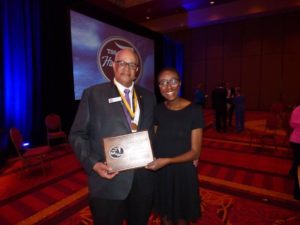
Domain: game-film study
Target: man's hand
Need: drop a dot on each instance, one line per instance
(103, 170)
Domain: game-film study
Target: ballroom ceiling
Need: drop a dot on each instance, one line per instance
(171, 15)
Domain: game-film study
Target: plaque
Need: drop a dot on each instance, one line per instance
(128, 151)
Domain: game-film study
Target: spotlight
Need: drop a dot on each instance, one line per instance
(25, 144)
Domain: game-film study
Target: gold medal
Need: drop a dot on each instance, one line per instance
(133, 127)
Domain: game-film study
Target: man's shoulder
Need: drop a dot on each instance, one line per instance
(102, 86)
(142, 90)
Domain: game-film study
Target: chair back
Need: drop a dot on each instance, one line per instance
(53, 122)
(17, 139)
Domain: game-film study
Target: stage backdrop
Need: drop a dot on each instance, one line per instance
(94, 45)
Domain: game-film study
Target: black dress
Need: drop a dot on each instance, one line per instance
(177, 189)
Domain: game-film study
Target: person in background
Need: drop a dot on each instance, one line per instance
(230, 93)
(218, 96)
(200, 96)
(104, 112)
(295, 145)
(239, 110)
(177, 144)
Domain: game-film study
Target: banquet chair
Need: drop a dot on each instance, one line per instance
(269, 132)
(54, 131)
(31, 157)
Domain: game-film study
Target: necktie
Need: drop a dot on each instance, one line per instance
(126, 92)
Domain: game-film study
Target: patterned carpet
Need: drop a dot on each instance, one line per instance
(221, 209)
(255, 123)
(240, 185)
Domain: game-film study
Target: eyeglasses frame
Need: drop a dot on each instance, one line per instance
(123, 64)
(175, 82)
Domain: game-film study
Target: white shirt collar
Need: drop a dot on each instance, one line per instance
(122, 87)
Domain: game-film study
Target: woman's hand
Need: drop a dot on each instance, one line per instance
(103, 170)
(158, 163)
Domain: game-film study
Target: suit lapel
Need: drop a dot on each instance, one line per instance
(119, 105)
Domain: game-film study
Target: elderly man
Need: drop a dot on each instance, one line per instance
(103, 112)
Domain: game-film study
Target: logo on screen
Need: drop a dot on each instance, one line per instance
(107, 52)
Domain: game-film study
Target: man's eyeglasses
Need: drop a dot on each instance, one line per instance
(173, 82)
(123, 64)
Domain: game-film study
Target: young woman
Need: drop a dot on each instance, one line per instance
(178, 142)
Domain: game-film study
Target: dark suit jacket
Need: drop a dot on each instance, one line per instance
(219, 98)
(97, 118)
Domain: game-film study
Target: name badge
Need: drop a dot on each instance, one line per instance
(116, 99)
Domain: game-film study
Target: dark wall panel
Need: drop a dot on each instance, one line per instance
(292, 33)
(272, 36)
(252, 41)
(291, 77)
(198, 41)
(270, 80)
(198, 69)
(232, 40)
(214, 46)
(261, 55)
(232, 70)
(250, 81)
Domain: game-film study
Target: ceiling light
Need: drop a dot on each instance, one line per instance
(212, 2)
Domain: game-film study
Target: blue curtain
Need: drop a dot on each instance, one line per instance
(173, 55)
(20, 75)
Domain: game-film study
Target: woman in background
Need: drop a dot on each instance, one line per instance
(295, 144)
(178, 125)
(200, 96)
(239, 110)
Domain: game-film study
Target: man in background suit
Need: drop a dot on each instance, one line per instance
(116, 196)
(219, 105)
